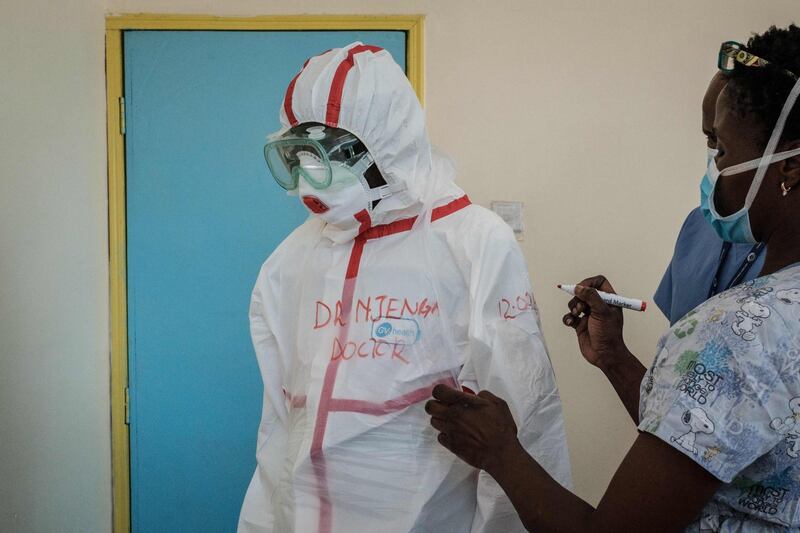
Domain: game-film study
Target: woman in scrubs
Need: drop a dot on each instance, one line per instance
(703, 265)
(719, 410)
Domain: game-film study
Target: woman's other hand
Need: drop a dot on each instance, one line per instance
(477, 428)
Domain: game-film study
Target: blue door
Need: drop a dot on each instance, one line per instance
(202, 215)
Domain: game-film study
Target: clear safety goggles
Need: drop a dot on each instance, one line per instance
(310, 151)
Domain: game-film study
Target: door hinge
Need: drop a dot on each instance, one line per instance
(127, 407)
(122, 115)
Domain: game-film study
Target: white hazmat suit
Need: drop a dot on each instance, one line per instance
(353, 327)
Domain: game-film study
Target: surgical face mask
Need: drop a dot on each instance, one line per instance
(736, 227)
(705, 184)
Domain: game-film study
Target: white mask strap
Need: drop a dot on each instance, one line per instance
(769, 153)
(385, 191)
(362, 165)
(750, 165)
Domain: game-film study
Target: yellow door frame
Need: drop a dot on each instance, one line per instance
(413, 25)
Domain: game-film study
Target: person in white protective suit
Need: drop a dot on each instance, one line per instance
(394, 284)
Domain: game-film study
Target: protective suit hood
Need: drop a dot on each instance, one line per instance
(361, 89)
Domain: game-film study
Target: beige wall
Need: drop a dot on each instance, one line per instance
(55, 471)
(587, 111)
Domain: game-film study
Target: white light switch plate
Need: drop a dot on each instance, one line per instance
(511, 212)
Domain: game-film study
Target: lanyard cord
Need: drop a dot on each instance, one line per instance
(744, 268)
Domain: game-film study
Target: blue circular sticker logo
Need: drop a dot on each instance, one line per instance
(383, 330)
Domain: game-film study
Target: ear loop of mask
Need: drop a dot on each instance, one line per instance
(769, 156)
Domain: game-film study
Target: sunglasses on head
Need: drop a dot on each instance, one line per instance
(732, 52)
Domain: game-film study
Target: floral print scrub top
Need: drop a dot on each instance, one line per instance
(724, 389)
